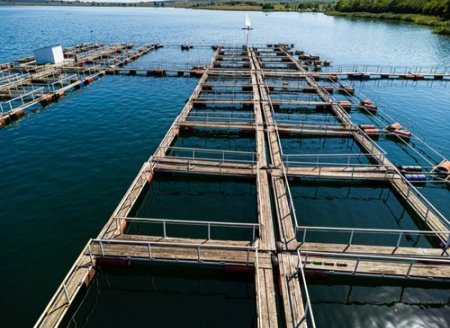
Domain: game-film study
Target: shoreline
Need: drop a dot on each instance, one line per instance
(439, 26)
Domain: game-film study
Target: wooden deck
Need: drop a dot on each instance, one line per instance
(57, 80)
(246, 75)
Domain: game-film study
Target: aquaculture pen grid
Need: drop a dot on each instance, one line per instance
(241, 79)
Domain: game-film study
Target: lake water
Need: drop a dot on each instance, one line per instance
(65, 168)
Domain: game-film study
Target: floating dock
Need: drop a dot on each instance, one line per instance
(24, 85)
(243, 89)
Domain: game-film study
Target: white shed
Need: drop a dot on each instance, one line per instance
(49, 55)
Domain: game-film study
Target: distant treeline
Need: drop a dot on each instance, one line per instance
(439, 8)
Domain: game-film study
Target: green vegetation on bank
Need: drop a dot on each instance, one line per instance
(434, 13)
(245, 5)
(440, 8)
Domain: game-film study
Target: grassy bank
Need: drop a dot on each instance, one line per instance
(439, 25)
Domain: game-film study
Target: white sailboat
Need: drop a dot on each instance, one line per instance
(248, 23)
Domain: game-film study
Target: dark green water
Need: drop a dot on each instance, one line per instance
(169, 296)
(358, 205)
(348, 149)
(198, 198)
(336, 302)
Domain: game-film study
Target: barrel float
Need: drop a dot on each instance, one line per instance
(55, 97)
(372, 132)
(345, 104)
(160, 73)
(88, 80)
(346, 90)
(180, 73)
(384, 75)
(17, 114)
(46, 100)
(368, 105)
(366, 126)
(132, 72)
(416, 178)
(410, 168)
(438, 76)
(3, 121)
(443, 169)
(394, 126)
(79, 85)
(405, 135)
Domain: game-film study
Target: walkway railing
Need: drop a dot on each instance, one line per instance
(148, 253)
(316, 160)
(208, 226)
(62, 291)
(429, 209)
(307, 308)
(21, 100)
(211, 154)
(222, 116)
(398, 235)
(387, 69)
(63, 82)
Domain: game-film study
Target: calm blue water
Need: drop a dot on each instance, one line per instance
(65, 168)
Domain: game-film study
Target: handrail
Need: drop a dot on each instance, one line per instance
(196, 151)
(380, 69)
(62, 287)
(208, 224)
(307, 308)
(398, 232)
(172, 244)
(33, 93)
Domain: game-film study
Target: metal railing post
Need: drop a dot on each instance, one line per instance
(399, 239)
(149, 247)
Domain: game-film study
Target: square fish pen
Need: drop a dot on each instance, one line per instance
(197, 207)
(203, 296)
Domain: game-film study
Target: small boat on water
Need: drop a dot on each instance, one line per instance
(248, 23)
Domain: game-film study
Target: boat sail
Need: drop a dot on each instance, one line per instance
(248, 23)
